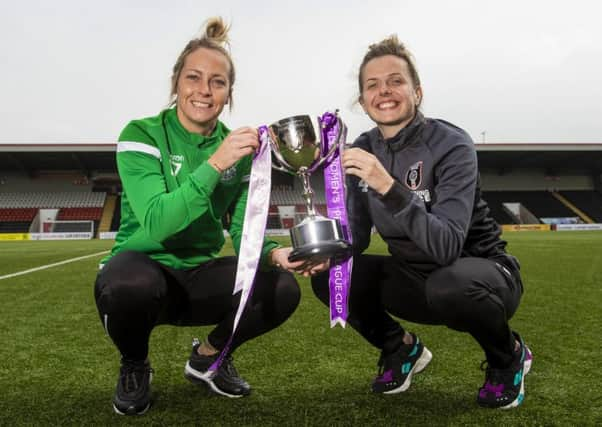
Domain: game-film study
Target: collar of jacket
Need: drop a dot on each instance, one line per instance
(405, 136)
(219, 132)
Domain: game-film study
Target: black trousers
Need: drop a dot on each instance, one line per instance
(473, 295)
(134, 294)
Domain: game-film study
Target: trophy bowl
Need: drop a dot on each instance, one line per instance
(294, 143)
(297, 151)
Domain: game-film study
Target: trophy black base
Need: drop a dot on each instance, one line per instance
(324, 250)
(317, 236)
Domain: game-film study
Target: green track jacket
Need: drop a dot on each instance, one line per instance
(173, 200)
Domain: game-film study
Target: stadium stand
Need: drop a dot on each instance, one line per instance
(19, 210)
(14, 226)
(287, 222)
(589, 202)
(116, 215)
(285, 196)
(497, 210)
(70, 227)
(71, 199)
(542, 204)
(81, 182)
(321, 209)
(273, 218)
(108, 212)
(288, 195)
(72, 214)
(16, 220)
(17, 214)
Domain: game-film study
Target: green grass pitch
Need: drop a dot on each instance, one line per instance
(57, 367)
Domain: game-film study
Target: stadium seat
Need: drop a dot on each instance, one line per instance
(17, 214)
(80, 213)
(52, 200)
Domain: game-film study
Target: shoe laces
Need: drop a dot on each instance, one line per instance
(132, 375)
(385, 363)
(228, 366)
(495, 376)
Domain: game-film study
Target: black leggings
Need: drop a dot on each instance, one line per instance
(134, 294)
(473, 295)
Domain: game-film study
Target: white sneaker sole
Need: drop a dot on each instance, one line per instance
(117, 411)
(207, 377)
(421, 363)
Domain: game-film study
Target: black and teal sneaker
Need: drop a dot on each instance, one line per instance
(133, 392)
(396, 369)
(505, 388)
(225, 381)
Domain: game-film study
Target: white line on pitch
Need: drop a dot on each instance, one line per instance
(44, 267)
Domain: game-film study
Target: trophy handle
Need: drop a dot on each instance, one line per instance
(282, 169)
(331, 150)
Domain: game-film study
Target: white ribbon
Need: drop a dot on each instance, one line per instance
(253, 230)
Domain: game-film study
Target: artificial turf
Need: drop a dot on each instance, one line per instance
(57, 367)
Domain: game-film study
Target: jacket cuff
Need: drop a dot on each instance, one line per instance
(397, 198)
(264, 264)
(205, 177)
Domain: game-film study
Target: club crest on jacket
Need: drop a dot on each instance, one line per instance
(175, 161)
(228, 174)
(414, 176)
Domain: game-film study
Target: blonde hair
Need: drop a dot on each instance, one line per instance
(390, 46)
(215, 37)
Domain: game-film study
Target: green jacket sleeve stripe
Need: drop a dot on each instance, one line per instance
(140, 147)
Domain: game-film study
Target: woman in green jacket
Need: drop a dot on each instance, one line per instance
(182, 171)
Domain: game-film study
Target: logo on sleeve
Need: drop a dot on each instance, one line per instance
(175, 161)
(228, 174)
(414, 176)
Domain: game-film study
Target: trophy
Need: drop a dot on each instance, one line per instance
(297, 151)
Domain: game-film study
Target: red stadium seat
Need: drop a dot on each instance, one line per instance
(17, 214)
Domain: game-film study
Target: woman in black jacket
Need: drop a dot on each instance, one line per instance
(415, 179)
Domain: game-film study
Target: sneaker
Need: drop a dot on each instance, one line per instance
(225, 381)
(133, 393)
(396, 369)
(505, 388)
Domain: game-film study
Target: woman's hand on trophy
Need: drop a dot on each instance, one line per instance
(239, 143)
(367, 167)
(314, 266)
(279, 259)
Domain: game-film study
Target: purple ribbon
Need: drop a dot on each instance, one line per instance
(334, 184)
(253, 230)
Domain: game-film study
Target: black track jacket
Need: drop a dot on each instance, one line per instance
(434, 212)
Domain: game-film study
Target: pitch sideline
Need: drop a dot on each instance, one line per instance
(44, 267)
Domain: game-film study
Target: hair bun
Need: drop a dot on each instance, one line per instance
(216, 31)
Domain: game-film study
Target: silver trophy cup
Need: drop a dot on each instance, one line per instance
(297, 151)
